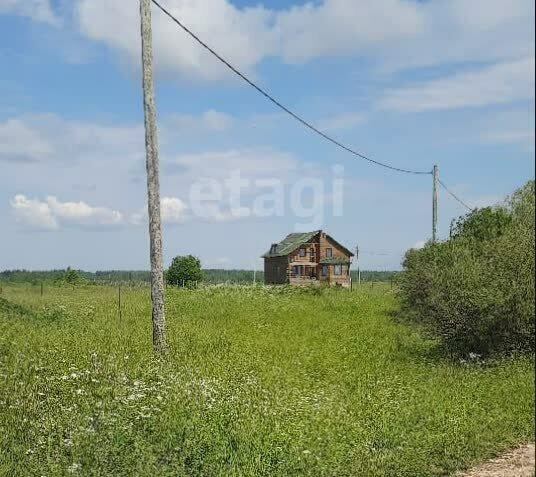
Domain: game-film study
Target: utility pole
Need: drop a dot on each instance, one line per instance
(435, 174)
(153, 183)
(357, 263)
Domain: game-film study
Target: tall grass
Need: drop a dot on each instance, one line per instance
(258, 382)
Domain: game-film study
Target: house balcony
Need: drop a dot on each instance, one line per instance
(303, 273)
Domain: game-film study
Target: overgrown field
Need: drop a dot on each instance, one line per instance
(257, 382)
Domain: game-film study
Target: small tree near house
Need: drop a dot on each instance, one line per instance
(184, 270)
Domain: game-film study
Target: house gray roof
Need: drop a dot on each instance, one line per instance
(290, 243)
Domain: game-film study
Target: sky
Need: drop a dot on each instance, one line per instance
(408, 83)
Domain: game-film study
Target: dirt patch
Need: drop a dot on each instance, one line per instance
(518, 463)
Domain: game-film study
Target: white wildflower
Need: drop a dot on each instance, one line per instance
(73, 468)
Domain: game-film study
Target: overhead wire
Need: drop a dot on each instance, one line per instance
(460, 201)
(294, 115)
(278, 103)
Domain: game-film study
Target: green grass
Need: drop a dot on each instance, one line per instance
(257, 382)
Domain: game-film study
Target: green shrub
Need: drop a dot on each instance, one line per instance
(475, 292)
(69, 276)
(184, 271)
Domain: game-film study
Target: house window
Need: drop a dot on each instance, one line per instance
(296, 270)
(325, 270)
(329, 252)
(302, 252)
(337, 270)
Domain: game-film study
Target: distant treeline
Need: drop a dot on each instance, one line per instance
(137, 276)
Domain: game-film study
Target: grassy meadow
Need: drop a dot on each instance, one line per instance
(257, 382)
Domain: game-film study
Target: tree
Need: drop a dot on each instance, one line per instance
(483, 224)
(69, 276)
(475, 291)
(184, 270)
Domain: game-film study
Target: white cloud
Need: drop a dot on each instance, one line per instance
(33, 213)
(208, 121)
(40, 137)
(251, 162)
(395, 34)
(51, 213)
(458, 31)
(38, 10)
(43, 137)
(241, 35)
(511, 126)
(21, 141)
(499, 83)
(336, 27)
(83, 214)
(524, 136)
(173, 210)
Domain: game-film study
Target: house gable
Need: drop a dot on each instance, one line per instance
(338, 254)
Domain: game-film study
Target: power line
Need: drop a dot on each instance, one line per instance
(378, 254)
(295, 115)
(278, 103)
(455, 196)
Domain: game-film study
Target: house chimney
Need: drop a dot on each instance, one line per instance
(273, 248)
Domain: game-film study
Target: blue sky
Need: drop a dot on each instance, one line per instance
(407, 83)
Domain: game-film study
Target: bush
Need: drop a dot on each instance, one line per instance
(69, 277)
(184, 270)
(475, 292)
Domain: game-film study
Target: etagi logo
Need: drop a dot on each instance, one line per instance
(308, 198)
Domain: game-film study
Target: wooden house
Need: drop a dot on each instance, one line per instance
(310, 258)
